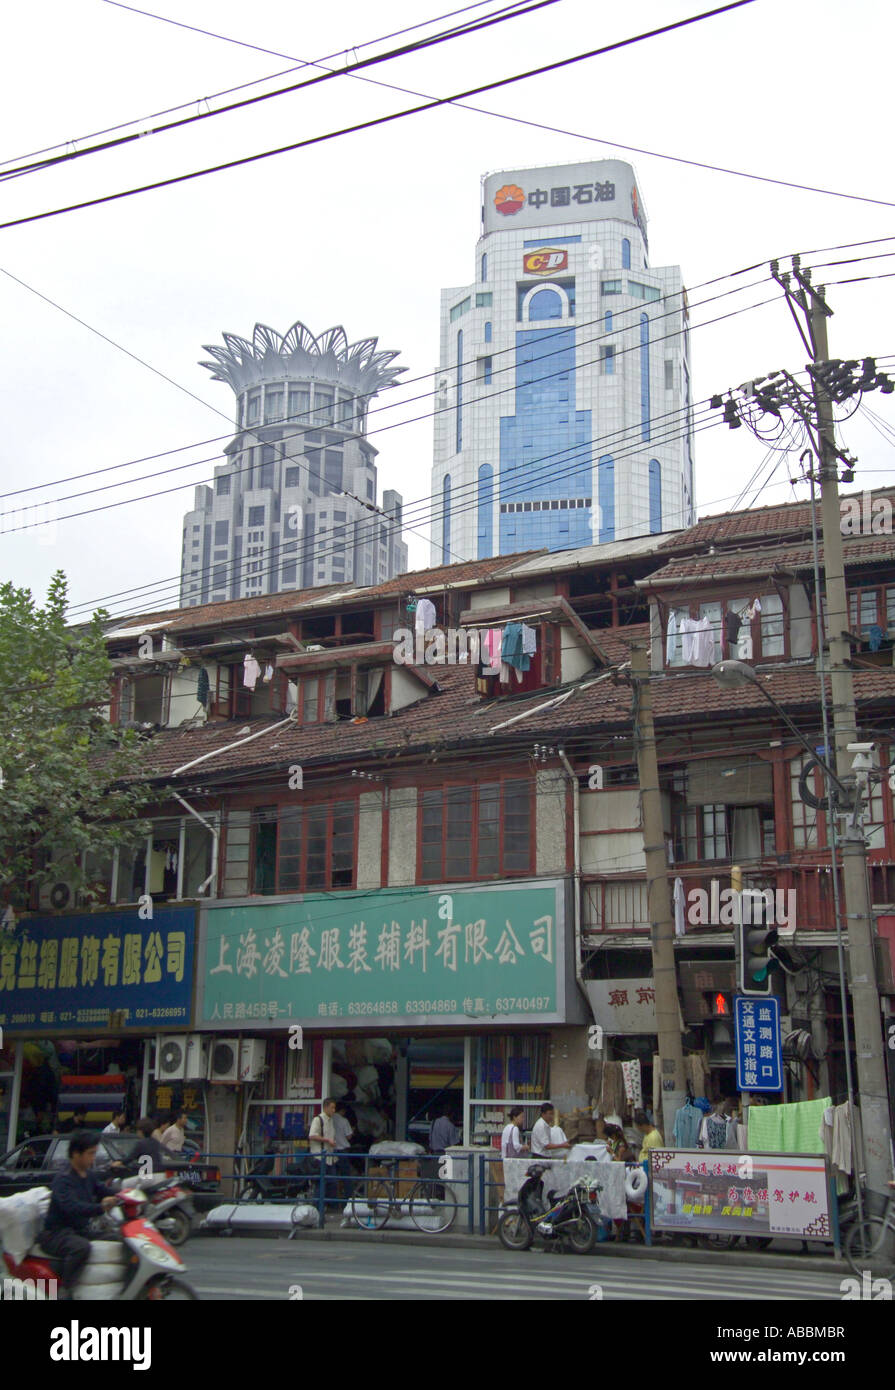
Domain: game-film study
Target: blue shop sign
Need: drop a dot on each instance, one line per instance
(759, 1044)
(58, 974)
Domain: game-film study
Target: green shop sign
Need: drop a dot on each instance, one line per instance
(397, 956)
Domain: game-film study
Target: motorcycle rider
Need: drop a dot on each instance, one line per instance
(147, 1155)
(77, 1196)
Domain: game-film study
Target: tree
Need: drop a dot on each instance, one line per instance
(69, 781)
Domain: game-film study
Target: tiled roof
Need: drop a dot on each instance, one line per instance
(456, 717)
(727, 564)
(288, 601)
(787, 518)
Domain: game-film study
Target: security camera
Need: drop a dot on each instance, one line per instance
(860, 747)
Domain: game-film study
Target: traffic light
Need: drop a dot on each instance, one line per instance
(719, 1030)
(755, 935)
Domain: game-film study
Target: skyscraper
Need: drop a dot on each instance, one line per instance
(279, 514)
(564, 390)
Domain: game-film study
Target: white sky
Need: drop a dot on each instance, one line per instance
(364, 230)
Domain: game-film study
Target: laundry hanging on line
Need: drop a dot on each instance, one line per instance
(251, 670)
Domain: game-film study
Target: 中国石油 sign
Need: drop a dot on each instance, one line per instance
(64, 973)
(396, 956)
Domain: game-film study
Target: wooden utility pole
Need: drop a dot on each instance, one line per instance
(668, 1020)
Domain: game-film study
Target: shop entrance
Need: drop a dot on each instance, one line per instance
(434, 1079)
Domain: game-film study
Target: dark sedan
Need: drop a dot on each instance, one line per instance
(36, 1162)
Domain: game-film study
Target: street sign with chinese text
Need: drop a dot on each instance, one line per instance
(723, 1193)
(394, 957)
(98, 970)
(759, 1044)
(623, 1006)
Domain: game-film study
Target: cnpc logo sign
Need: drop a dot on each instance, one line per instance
(546, 261)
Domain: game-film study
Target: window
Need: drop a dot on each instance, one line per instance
(607, 321)
(638, 291)
(256, 516)
(460, 309)
(804, 817)
(273, 405)
(323, 406)
(221, 532)
(772, 643)
(315, 847)
(655, 496)
(299, 403)
(459, 390)
(550, 241)
(611, 287)
(222, 485)
(220, 577)
(669, 374)
(253, 407)
(626, 253)
(546, 304)
(485, 370)
(607, 359)
(644, 378)
(346, 409)
(606, 497)
(869, 608)
(488, 331)
(483, 301)
(475, 832)
(289, 573)
(484, 274)
(332, 469)
(268, 456)
(446, 520)
(485, 502)
(292, 477)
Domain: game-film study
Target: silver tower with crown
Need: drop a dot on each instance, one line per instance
(294, 504)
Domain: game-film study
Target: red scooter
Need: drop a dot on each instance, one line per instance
(147, 1267)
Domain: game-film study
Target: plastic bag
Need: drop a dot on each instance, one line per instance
(21, 1217)
(305, 1215)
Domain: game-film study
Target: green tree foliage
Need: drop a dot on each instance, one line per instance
(68, 781)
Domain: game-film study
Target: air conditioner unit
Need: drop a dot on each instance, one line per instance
(196, 1058)
(58, 896)
(170, 1057)
(252, 1057)
(223, 1059)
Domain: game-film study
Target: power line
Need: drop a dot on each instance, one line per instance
(377, 121)
(458, 31)
(472, 379)
(180, 487)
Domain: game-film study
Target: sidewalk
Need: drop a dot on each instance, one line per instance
(785, 1257)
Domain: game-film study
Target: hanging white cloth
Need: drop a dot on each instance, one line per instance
(687, 629)
(680, 905)
(744, 644)
(529, 640)
(703, 643)
(250, 671)
(746, 839)
(425, 615)
(671, 637)
(268, 673)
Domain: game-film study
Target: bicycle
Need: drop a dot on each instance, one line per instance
(431, 1203)
(871, 1244)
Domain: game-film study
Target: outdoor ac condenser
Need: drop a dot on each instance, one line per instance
(252, 1057)
(223, 1059)
(170, 1057)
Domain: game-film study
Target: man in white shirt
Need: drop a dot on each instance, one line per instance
(322, 1135)
(542, 1145)
(119, 1120)
(174, 1135)
(342, 1132)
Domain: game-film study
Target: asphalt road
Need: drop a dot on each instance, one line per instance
(246, 1267)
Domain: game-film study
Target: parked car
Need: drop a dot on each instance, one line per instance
(36, 1162)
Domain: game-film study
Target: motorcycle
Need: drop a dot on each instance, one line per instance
(170, 1207)
(132, 1262)
(557, 1220)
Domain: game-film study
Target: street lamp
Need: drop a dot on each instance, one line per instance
(733, 675)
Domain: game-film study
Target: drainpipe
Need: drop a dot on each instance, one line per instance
(576, 831)
(213, 830)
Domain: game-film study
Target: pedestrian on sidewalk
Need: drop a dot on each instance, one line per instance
(322, 1139)
(542, 1142)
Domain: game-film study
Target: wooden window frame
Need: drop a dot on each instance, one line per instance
(443, 876)
(304, 811)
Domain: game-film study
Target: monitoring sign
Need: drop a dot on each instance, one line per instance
(562, 194)
(759, 1044)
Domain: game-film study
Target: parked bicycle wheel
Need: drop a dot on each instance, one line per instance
(870, 1247)
(433, 1206)
(717, 1242)
(371, 1203)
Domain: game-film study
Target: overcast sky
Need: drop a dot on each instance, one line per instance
(364, 230)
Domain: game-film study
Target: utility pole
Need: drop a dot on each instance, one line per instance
(872, 1087)
(671, 1052)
